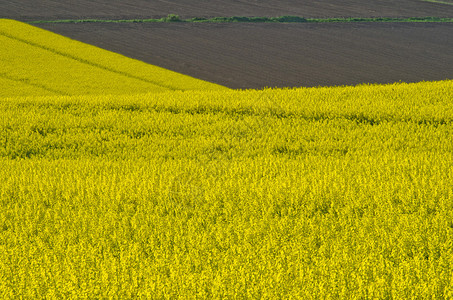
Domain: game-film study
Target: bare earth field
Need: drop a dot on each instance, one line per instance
(258, 55)
(108, 9)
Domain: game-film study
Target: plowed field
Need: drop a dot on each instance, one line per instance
(258, 55)
(51, 9)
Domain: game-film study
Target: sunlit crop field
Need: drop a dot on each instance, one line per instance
(306, 193)
(38, 62)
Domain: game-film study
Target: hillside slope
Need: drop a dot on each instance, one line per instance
(37, 62)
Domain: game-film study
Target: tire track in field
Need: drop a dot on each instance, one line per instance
(24, 81)
(87, 62)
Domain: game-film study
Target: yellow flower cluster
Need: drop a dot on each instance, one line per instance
(310, 193)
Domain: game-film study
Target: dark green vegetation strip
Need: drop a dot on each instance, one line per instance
(235, 19)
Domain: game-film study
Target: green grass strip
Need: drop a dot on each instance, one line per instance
(448, 2)
(236, 19)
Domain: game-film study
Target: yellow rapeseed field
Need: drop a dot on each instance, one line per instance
(310, 193)
(34, 62)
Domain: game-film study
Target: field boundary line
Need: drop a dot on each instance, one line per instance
(88, 62)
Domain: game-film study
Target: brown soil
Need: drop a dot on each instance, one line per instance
(63, 9)
(258, 55)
